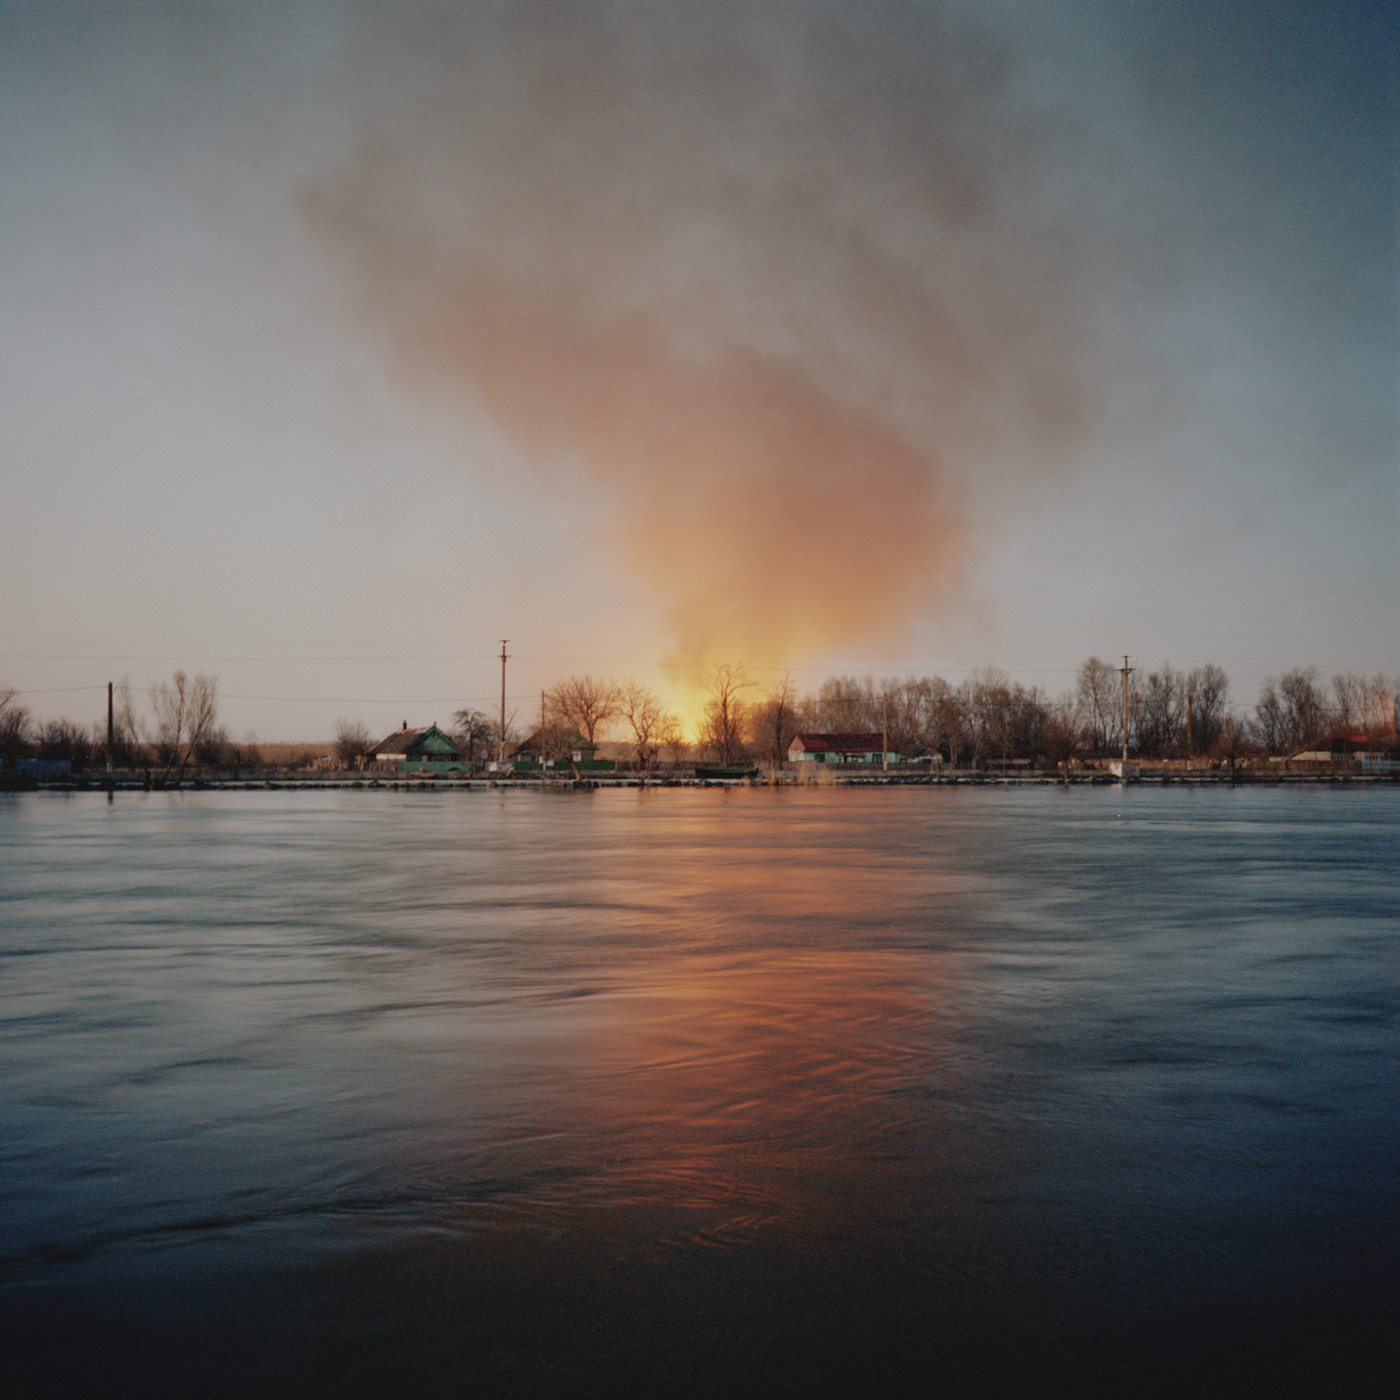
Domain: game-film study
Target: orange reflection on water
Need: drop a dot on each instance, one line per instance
(779, 1052)
(750, 1092)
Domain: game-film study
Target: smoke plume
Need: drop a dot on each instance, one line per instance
(780, 281)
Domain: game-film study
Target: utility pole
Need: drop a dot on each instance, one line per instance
(501, 751)
(885, 733)
(111, 780)
(1190, 746)
(1127, 671)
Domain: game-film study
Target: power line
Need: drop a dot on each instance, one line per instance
(57, 689)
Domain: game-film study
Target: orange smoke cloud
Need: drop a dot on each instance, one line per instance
(772, 518)
(787, 293)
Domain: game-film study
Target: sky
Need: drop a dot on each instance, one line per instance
(339, 342)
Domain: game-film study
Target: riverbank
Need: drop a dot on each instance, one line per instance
(319, 782)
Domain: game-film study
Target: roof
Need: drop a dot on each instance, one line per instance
(1337, 744)
(398, 741)
(840, 743)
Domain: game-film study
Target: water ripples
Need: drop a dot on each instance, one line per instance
(977, 1038)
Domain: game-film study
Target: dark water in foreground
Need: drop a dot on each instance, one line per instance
(698, 1092)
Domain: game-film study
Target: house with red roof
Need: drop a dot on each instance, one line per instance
(840, 748)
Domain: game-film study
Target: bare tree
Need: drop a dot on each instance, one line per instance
(15, 725)
(1305, 704)
(1292, 710)
(1002, 717)
(722, 731)
(1231, 745)
(1208, 689)
(1030, 710)
(921, 699)
(986, 702)
(62, 738)
(1382, 712)
(1346, 703)
(186, 712)
(473, 728)
(914, 713)
(1161, 712)
(128, 740)
(938, 716)
(646, 717)
(560, 741)
(774, 719)
(1064, 732)
(1098, 690)
(217, 750)
(584, 703)
(670, 735)
(1363, 706)
(845, 705)
(352, 739)
(1269, 722)
(169, 702)
(895, 713)
(203, 716)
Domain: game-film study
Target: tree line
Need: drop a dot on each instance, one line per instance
(987, 718)
(176, 730)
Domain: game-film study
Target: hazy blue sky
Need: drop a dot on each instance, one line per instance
(339, 341)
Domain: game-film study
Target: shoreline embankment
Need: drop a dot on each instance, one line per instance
(326, 782)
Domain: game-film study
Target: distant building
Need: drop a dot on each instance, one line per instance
(558, 749)
(1343, 750)
(840, 748)
(555, 741)
(43, 767)
(409, 750)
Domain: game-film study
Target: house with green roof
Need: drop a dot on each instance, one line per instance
(419, 751)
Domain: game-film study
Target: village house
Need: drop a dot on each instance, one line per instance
(1344, 751)
(418, 751)
(556, 742)
(559, 749)
(839, 748)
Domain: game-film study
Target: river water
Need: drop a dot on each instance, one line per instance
(796, 1091)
